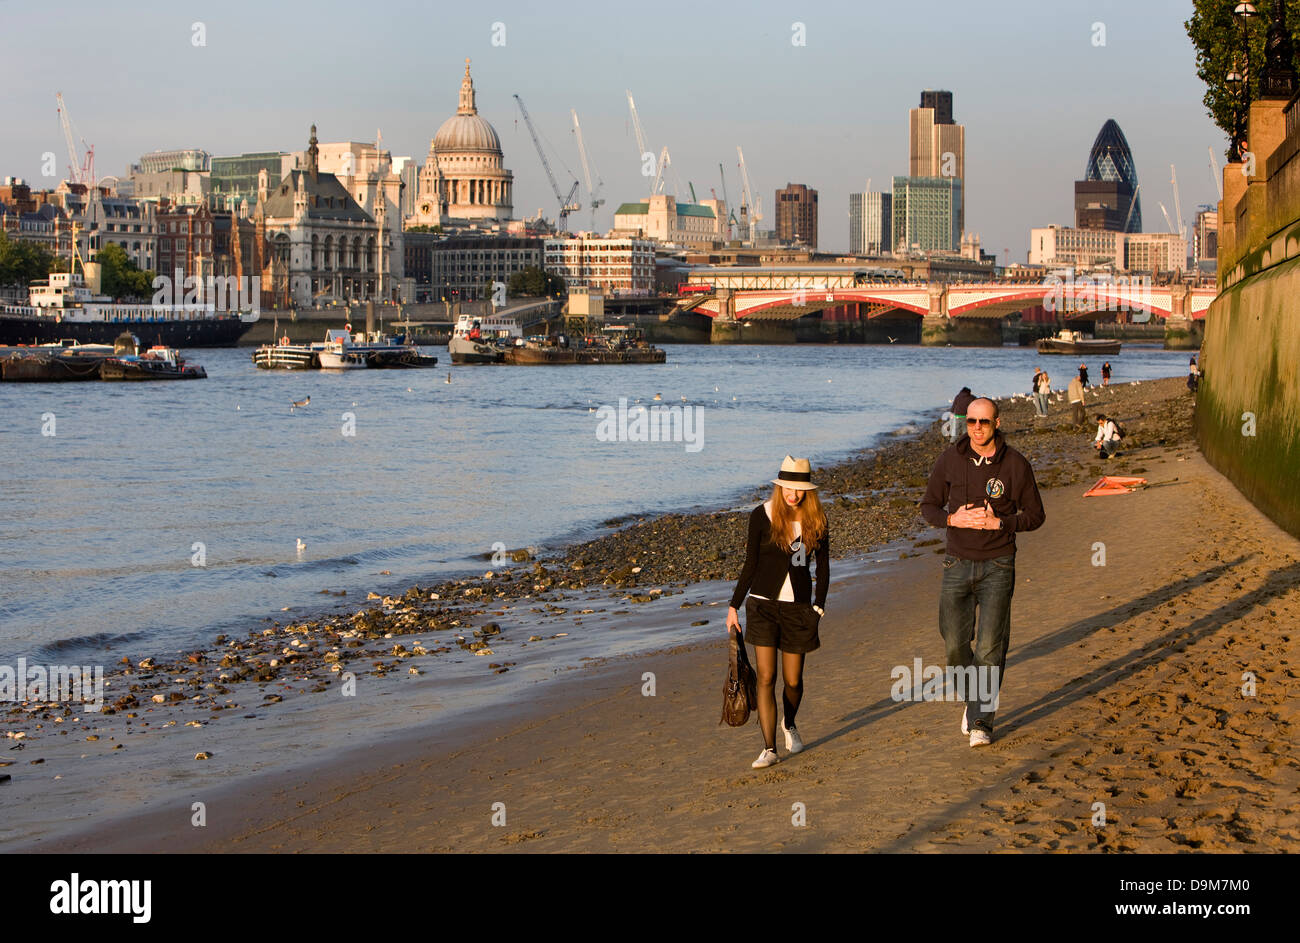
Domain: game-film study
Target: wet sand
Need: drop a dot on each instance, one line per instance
(1123, 687)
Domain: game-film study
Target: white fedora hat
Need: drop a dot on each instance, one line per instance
(795, 473)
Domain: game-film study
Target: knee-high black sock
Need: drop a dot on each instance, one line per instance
(790, 698)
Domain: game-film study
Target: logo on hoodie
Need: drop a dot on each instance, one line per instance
(995, 488)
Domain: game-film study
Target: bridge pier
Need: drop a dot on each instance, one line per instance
(943, 331)
(1182, 333)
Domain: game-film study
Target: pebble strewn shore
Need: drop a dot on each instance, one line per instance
(871, 501)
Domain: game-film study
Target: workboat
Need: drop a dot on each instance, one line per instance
(482, 338)
(338, 354)
(1076, 342)
(286, 355)
(342, 350)
(57, 362)
(156, 363)
(610, 345)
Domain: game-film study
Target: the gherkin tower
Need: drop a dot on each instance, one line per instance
(1112, 161)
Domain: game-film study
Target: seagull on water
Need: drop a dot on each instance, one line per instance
(301, 546)
(298, 402)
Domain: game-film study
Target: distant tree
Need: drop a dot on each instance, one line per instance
(533, 282)
(423, 228)
(121, 277)
(1216, 34)
(22, 262)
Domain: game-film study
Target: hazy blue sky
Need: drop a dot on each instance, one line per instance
(1027, 81)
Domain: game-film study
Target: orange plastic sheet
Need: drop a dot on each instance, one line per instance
(1114, 484)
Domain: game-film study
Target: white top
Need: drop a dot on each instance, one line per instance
(1107, 431)
(787, 591)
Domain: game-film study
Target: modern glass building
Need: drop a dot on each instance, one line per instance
(235, 178)
(927, 214)
(1107, 196)
(871, 219)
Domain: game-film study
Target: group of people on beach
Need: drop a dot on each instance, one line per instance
(981, 490)
(1041, 386)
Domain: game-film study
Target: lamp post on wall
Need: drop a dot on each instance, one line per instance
(1239, 78)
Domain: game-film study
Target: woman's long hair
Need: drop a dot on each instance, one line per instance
(808, 512)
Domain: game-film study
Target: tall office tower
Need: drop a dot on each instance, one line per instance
(926, 211)
(796, 215)
(937, 146)
(1107, 197)
(870, 223)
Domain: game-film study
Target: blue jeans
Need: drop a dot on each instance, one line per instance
(988, 584)
(1040, 403)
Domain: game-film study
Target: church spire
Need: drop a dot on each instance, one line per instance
(467, 94)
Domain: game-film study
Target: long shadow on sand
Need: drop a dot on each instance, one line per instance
(1279, 582)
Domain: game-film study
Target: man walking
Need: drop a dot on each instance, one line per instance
(1076, 401)
(984, 492)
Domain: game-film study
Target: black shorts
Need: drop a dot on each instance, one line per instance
(789, 626)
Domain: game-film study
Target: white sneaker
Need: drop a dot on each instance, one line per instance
(766, 758)
(793, 742)
(980, 738)
(964, 729)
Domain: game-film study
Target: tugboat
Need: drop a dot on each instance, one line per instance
(338, 354)
(482, 339)
(1076, 342)
(156, 363)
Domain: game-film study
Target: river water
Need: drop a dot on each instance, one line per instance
(163, 514)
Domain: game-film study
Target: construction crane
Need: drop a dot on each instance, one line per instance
(665, 160)
(81, 173)
(1178, 206)
(1168, 221)
(592, 192)
(566, 203)
(1214, 172)
(750, 212)
(641, 148)
(726, 202)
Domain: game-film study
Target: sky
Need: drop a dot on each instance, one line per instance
(814, 92)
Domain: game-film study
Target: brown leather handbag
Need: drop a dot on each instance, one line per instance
(740, 693)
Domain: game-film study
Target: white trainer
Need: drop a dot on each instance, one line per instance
(980, 738)
(766, 758)
(793, 742)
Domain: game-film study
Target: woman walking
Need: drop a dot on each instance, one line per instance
(786, 534)
(1041, 392)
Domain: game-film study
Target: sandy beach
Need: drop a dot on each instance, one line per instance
(1124, 687)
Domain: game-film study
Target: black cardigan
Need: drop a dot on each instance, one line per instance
(767, 566)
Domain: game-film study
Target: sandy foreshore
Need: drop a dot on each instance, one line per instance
(1124, 688)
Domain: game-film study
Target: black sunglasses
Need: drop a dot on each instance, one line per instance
(978, 422)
